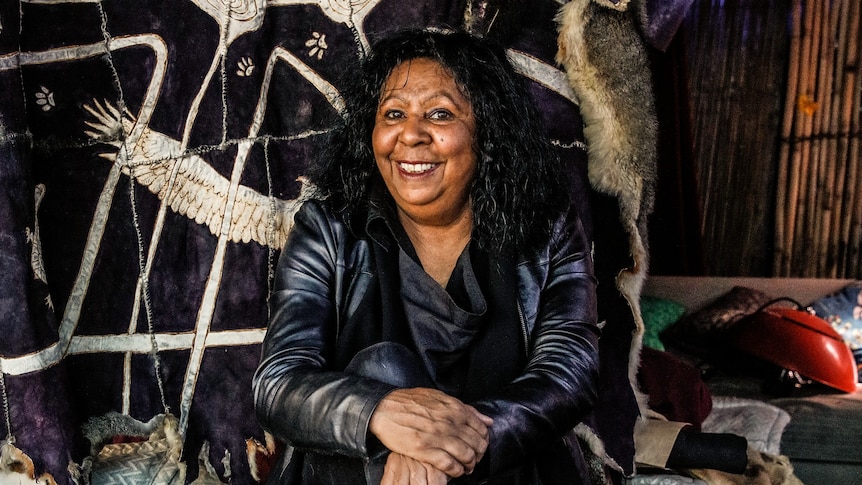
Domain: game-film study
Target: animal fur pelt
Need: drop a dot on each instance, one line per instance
(102, 429)
(762, 469)
(262, 456)
(207, 474)
(16, 467)
(603, 51)
(147, 452)
(605, 57)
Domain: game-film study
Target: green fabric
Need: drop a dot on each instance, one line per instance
(658, 314)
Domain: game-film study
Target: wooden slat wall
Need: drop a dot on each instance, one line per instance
(737, 58)
(819, 200)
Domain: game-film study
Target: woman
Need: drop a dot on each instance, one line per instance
(433, 318)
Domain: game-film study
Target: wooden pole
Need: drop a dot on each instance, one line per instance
(835, 242)
(848, 145)
(818, 188)
(854, 100)
(785, 217)
(803, 135)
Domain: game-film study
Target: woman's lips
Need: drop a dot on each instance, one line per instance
(416, 168)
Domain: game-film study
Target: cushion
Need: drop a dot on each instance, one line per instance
(658, 314)
(843, 310)
(703, 333)
(674, 388)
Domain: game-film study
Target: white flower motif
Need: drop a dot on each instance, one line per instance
(246, 67)
(317, 44)
(45, 98)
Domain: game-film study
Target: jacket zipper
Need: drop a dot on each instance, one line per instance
(523, 328)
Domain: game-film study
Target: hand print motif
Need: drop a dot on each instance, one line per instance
(245, 67)
(348, 12)
(317, 44)
(160, 160)
(45, 98)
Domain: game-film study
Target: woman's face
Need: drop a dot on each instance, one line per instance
(423, 142)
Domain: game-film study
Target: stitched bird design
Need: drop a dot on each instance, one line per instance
(197, 190)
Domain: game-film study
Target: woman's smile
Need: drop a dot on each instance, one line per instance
(417, 168)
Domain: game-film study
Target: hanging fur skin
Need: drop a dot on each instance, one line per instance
(16, 467)
(601, 47)
(607, 64)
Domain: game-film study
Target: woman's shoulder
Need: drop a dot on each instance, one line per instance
(318, 209)
(315, 215)
(318, 216)
(565, 233)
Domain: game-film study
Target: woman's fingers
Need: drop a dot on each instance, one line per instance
(432, 427)
(484, 419)
(423, 473)
(403, 470)
(394, 473)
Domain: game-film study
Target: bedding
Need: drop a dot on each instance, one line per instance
(825, 438)
(761, 423)
(817, 428)
(665, 478)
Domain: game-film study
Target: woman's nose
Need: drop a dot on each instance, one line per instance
(415, 131)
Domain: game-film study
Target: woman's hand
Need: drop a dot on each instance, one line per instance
(433, 428)
(403, 470)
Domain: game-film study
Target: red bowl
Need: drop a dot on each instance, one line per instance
(798, 341)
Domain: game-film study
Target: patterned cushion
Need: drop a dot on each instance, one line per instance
(703, 332)
(843, 310)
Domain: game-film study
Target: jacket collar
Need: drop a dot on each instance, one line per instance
(381, 222)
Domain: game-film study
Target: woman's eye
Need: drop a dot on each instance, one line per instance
(440, 114)
(393, 114)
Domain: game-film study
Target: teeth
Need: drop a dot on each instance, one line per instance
(416, 167)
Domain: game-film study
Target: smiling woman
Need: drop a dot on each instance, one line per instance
(423, 145)
(423, 141)
(432, 321)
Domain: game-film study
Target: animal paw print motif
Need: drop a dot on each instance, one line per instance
(317, 42)
(45, 98)
(245, 67)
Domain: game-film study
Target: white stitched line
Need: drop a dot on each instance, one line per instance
(270, 230)
(121, 107)
(55, 352)
(205, 313)
(223, 44)
(136, 344)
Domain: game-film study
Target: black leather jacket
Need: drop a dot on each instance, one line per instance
(322, 275)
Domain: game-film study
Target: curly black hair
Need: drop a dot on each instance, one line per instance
(521, 187)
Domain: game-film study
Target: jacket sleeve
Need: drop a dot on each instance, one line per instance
(558, 385)
(296, 398)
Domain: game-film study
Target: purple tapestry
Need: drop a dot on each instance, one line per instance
(151, 153)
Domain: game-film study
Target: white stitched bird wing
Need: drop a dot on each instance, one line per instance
(190, 186)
